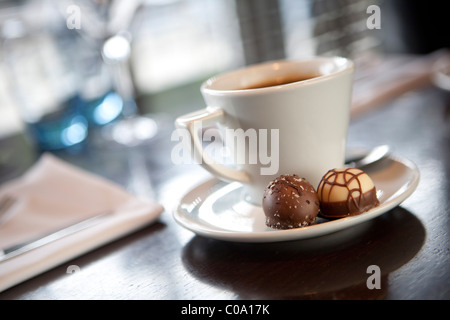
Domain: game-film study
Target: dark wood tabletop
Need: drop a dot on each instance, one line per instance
(410, 244)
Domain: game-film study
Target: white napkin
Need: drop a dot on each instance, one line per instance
(54, 194)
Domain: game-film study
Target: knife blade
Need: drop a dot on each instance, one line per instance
(18, 249)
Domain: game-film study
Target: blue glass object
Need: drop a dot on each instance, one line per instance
(61, 129)
(104, 109)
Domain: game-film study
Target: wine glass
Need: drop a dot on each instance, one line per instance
(133, 129)
(106, 25)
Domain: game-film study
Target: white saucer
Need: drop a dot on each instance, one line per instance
(216, 209)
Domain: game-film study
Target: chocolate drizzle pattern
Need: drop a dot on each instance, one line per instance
(357, 201)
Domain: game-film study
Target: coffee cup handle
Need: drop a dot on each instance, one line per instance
(209, 116)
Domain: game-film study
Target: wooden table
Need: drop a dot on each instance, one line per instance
(410, 243)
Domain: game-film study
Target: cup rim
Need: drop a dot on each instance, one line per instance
(347, 65)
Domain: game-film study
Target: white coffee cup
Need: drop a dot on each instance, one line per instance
(298, 127)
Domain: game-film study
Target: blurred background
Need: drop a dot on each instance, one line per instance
(68, 68)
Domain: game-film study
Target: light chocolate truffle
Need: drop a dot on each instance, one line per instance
(346, 192)
(290, 202)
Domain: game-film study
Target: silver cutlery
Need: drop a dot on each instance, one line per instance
(32, 244)
(373, 156)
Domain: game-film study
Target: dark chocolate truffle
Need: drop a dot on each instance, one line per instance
(290, 202)
(346, 192)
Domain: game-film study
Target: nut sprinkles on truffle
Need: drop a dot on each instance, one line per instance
(290, 202)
